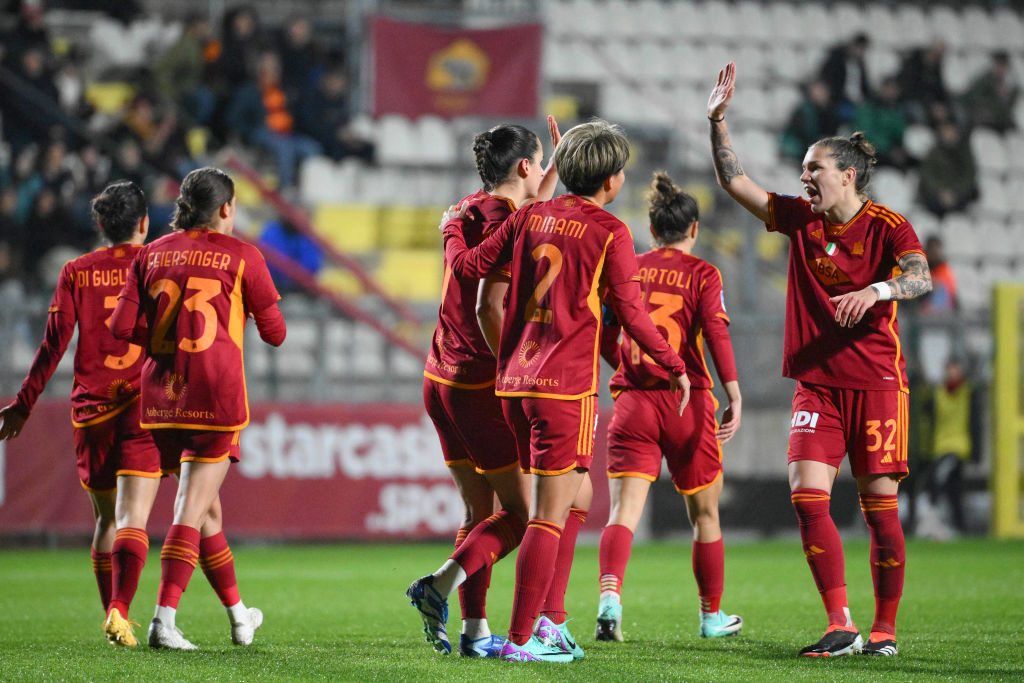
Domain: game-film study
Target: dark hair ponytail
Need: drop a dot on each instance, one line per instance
(118, 209)
(203, 191)
(671, 211)
(853, 152)
(499, 149)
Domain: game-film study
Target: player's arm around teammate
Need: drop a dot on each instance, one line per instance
(458, 394)
(684, 298)
(850, 260)
(195, 288)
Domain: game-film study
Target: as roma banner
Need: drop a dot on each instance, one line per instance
(427, 69)
(308, 471)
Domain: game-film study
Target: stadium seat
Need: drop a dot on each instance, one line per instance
(893, 188)
(960, 236)
(1008, 27)
(918, 140)
(849, 18)
(989, 150)
(396, 140)
(977, 28)
(755, 18)
(316, 180)
(411, 274)
(945, 22)
(407, 227)
(884, 28)
(351, 228)
(995, 202)
(436, 141)
(912, 24)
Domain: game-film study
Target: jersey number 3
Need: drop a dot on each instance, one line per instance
(205, 289)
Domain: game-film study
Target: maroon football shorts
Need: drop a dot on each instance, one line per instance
(553, 436)
(646, 425)
(195, 445)
(471, 427)
(869, 425)
(116, 445)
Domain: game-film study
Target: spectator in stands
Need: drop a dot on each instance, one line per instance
(921, 82)
(949, 173)
(301, 61)
(260, 113)
(325, 114)
(12, 236)
(28, 32)
(884, 122)
(953, 408)
(241, 41)
(813, 118)
(179, 72)
(30, 112)
(160, 136)
(943, 294)
(284, 237)
(846, 76)
(51, 227)
(991, 96)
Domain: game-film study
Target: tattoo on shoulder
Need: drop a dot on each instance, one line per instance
(914, 281)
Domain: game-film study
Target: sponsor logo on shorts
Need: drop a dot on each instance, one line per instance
(803, 421)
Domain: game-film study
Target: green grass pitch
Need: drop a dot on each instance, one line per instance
(337, 612)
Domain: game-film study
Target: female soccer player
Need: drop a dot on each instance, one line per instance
(458, 392)
(118, 463)
(850, 260)
(565, 253)
(188, 295)
(685, 300)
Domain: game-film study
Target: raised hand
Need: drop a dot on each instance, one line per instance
(553, 130)
(722, 94)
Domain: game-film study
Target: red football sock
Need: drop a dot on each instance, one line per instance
(473, 591)
(709, 570)
(613, 555)
(219, 566)
(178, 560)
(888, 557)
(534, 568)
(490, 540)
(101, 567)
(823, 549)
(131, 546)
(554, 602)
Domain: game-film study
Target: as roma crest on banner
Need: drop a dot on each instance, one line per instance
(428, 69)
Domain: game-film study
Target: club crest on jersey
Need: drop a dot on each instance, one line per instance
(830, 248)
(827, 272)
(528, 353)
(804, 421)
(175, 387)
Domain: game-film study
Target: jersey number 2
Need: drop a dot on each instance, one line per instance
(553, 254)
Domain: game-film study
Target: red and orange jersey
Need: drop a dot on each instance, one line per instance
(459, 355)
(106, 369)
(193, 290)
(564, 252)
(827, 260)
(685, 300)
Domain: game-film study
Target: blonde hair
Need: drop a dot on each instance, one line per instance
(589, 154)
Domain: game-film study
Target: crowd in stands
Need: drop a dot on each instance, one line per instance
(840, 98)
(182, 90)
(186, 90)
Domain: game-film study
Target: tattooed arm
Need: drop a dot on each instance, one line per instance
(727, 165)
(914, 281)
